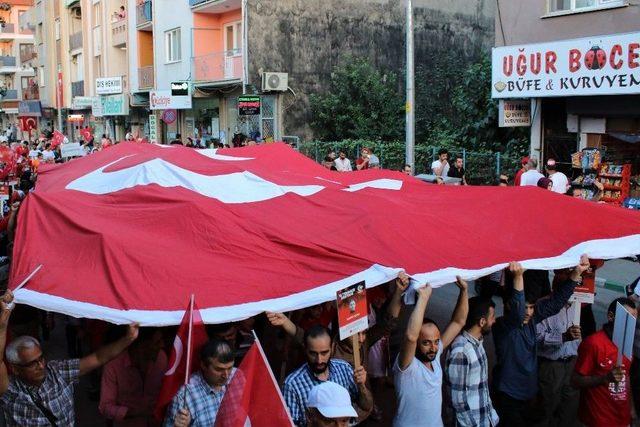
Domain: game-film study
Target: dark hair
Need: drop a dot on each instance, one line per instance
(217, 349)
(622, 300)
(328, 159)
(430, 321)
(478, 308)
(458, 156)
(406, 165)
(443, 151)
(219, 328)
(316, 331)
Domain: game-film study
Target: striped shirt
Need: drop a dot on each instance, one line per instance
(201, 400)
(467, 378)
(301, 381)
(55, 394)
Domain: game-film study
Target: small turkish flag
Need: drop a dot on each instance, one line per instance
(27, 124)
(86, 133)
(253, 397)
(57, 139)
(191, 336)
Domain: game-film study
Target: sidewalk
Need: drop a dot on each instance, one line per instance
(617, 274)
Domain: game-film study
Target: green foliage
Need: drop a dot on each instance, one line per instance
(454, 108)
(363, 103)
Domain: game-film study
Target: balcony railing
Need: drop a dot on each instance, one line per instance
(143, 13)
(145, 77)
(7, 61)
(28, 54)
(31, 93)
(75, 41)
(11, 95)
(8, 27)
(226, 65)
(77, 88)
(119, 33)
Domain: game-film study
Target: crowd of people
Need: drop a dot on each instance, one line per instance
(548, 370)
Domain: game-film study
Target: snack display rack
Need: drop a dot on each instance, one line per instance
(588, 162)
(616, 182)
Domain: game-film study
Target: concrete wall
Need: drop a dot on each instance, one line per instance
(168, 15)
(525, 21)
(308, 38)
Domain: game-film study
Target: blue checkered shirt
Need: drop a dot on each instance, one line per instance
(202, 401)
(55, 393)
(467, 379)
(301, 381)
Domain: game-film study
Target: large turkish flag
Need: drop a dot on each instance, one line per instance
(129, 233)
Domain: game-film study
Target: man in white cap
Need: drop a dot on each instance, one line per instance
(560, 180)
(329, 404)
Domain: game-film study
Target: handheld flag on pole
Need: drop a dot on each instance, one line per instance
(182, 360)
(253, 395)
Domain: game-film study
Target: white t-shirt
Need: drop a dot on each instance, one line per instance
(530, 177)
(436, 165)
(419, 392)
(343, 165)
(560, 182)
(34, 154)
(48, 155)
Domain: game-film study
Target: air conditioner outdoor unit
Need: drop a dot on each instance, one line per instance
(275, 82)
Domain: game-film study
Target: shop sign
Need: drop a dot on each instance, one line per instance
(30, 109)
(600, 65)
(76, 118)
(109, 85)
(153, 128)
(180, 89)
(249, 105)
(169, 116)
(514, 112)
(163, 100)
(96, 107)
(81, 102)
(114, 105)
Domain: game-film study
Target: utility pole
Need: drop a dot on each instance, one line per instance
(410, 129)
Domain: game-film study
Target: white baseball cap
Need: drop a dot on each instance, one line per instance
(332, 400)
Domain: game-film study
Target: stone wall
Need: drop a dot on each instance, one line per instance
(308, 38)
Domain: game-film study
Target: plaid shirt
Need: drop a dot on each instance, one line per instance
(301, 381)
(202, 401)
(55, 393)
(467, 379)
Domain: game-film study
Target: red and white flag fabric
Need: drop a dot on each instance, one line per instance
(191, 336)
(128, 234)
(57, 138)
(253, 397)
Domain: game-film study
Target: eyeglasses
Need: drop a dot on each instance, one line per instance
(33, 363)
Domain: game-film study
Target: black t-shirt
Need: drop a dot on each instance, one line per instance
(455, 173)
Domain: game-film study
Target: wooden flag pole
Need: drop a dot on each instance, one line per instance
(355, 342)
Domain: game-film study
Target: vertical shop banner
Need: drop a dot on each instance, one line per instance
(59, 91)
(598, 65)
(514, 112)
(153, 129)
(352, 310)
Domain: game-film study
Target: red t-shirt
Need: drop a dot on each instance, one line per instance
(360, 161)
(605, 405)
(516, 181)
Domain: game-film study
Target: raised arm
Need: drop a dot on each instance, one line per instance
(282, 321)
(459, 316)
(514, 317)
(108, 352)
(551, 305)
(6, 305)
(410, 342)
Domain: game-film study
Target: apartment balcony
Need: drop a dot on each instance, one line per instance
(214, 6)
(75, 41)
(77, 88)
(31, 93)
(119, 33)
(28, 54)
(144, 15)
(145, 77)
(11, 95)
(8, 65)
(218, 66)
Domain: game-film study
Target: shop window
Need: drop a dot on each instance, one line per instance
(172, 45)
(569, 6)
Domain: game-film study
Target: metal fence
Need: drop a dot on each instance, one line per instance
(480, 167)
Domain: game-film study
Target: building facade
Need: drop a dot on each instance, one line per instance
(578, 61)
(184, 64)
